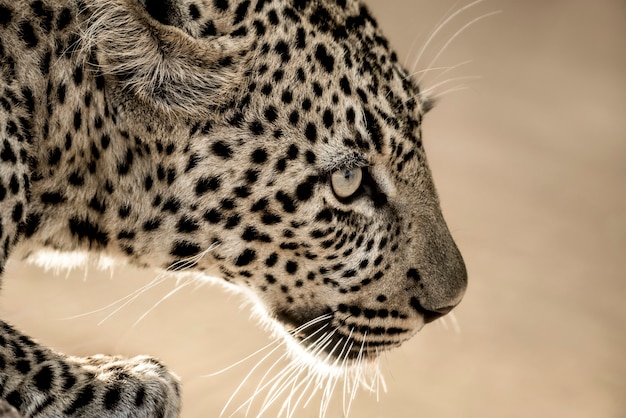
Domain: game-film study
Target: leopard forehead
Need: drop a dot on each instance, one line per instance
(204, 135)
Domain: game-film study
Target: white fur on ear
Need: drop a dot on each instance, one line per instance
(160, 65)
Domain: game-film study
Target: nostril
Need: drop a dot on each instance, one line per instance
(429, 315)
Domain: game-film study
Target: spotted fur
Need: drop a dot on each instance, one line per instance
(204, 133)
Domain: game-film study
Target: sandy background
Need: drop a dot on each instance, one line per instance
(530, 162)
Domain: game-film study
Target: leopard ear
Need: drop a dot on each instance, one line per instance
(152, 62)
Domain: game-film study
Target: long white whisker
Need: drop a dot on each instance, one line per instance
(458, 32)
(428, 90)
(275, 391)
(135, 295)
(246, 379)
(261, 386)
(438, 29)
(118, 301)
(163, 299)
(444, 69)
(243, 360)
(452, 90)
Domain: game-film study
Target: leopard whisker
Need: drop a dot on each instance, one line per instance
(428, 90)
(110, 305)
(444, 69)
(274, 392)
(456, 34)
(245, 379)
(163, 299)
(440, 26)
(243, 360)
(279, 341)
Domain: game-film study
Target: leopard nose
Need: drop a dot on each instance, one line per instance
(429, 315)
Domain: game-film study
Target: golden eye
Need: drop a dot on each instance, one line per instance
(346, 182)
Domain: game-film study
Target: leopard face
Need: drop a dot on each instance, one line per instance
(275, 144)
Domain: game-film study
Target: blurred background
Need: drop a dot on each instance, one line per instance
(528, 149)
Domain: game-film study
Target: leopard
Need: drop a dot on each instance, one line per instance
(272, 146)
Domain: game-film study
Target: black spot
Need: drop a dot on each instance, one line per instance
(282, 49)
(259, 205)
(311, 132)
(112, 398)
(43, 379)
(374, 129)
(28, 35)
(172, 205)
(324, 216)
(270, 218)
(221, 149)
(85, 229)
(206, 184)
(184, 249)
(301, 38)
(18, 211)
(64, 19)
(259, 156)
(14, 399)
(271, 260)
(187, 225)
(85, 396)
(98, 205)
(33, 220)
(6, 15)
(241, 12)
(291, 267)
(61, 91)
(287, 202)
(76, 179)
(242, 192)
(78, 75)
(29, 100)
(152, 224)
(140, 396)
(14, 185)
(23, 366)
(7, 153)
(194, 12)
(69, 380)
(257, 128)
(213, 216)
(52, 198)
(294, 118)
(208, 29)
(304, 191)
(271, 113)
(123, 167)
(221, 5)
(328, 118)
(245, 258)
(287, 97)
(324, 58)
(413, 274)
(126, 235)
(233, 221)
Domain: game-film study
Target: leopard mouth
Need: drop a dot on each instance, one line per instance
(336, 336)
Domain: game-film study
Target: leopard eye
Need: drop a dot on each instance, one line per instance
(346, 183)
